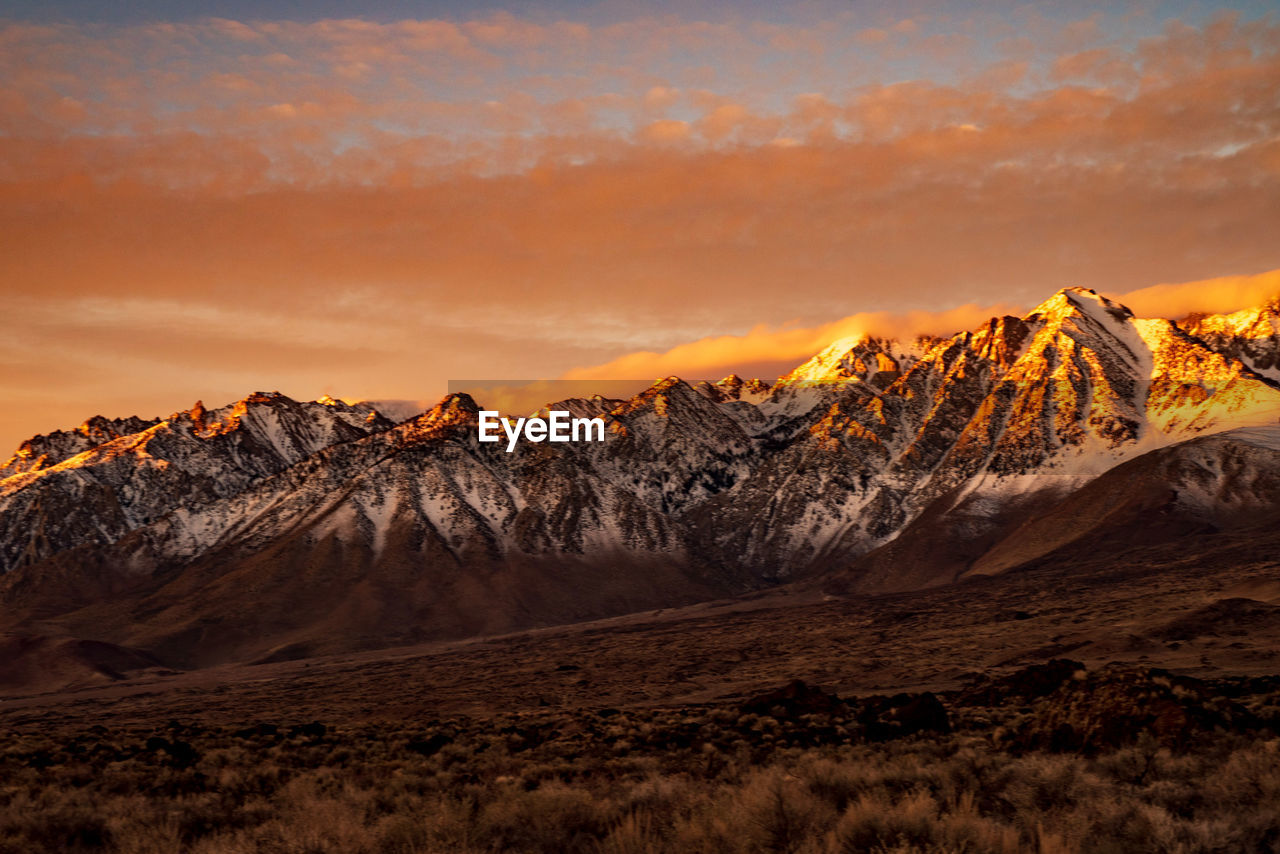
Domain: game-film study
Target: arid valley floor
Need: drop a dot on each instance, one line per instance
(1119, 706)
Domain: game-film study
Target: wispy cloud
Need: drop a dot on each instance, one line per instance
(370, 209)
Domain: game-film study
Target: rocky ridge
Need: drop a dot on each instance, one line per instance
(842, 464)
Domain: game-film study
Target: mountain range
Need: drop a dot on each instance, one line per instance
(274, 529)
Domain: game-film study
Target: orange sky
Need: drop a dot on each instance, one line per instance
(204, 209)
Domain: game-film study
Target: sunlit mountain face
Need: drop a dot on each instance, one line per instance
(856, 215)
(878, 464)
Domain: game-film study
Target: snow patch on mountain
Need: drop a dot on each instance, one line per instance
(757, 481)
(1251, 335)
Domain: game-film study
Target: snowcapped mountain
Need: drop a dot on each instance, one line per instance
(52, 448)
(867, 364)
(279, 528)
(1251, 335)
(1004, 415)
(68, 490)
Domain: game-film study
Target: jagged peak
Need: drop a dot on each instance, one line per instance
(1077, 301)
(1001, 339)
(851, 357)
(735, 383)
(264, 408)
(734, 388)
(48, 449)
(99, 429)
(265, 397)
(854, 357)
(360, 407)
(199, 412)
(662, 388)
(666, 384)
(454, 409)
(1251, 335)
(96, 422)
(455, 402)
(1263, 318)
(658, 396)
(845, 344)
(582, 407)
(862, 342)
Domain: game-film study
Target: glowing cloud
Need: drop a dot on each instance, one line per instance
(768, 353)
(1222, 295)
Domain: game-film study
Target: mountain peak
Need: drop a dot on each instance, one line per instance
(670, 397)
(458, 402)
(197, 414)
(666, 384)
(1251, 335)
(1083, 310)
(855, 357)
(1001, 339)
(734, 387)
(1077, 301)
(48, 449)
(263, 397)
(452, 410)
(657, 394)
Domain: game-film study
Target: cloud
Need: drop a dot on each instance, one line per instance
(506, 197)
(769, 352)
(660, 97)
(1219, 295)
(666, 130)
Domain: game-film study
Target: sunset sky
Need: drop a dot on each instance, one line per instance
(368, 200)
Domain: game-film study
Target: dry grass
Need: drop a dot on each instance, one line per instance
(692, 779)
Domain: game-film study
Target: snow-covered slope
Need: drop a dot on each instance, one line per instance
(1251, 335)
(862, 453)
(50, 449)
(96, 495)
(1019, 407)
